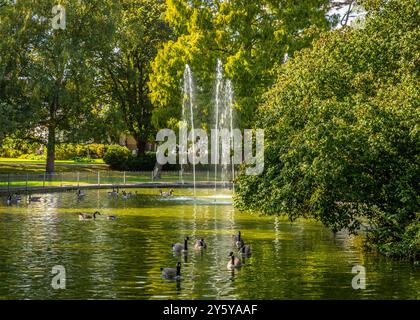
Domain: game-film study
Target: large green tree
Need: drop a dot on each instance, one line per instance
(341, 127)
(250, 37)
(57, 66)
(14, 109)
(126, 64)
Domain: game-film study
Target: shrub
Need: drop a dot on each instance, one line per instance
(69, 151)
(116, 156)
(120, 158)
(341, 132)
(141, 163)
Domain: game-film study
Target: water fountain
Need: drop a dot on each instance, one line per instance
(218, 100)
(222, 119)
(229, 102)
(188, 101)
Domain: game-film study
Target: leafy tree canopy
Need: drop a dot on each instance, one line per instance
(250, 37)
(342, 129)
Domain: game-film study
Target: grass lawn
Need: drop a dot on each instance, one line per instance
(17, 165)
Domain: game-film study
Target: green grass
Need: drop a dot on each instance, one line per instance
(17, 165)
(21, 160)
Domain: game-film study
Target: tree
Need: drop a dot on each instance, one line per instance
(251, 38)
(341, 128)
(13, 109)
(126, 64)
(59, 70)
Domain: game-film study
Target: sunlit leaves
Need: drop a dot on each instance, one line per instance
(342, 140)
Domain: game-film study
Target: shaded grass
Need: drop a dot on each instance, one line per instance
(9, 165)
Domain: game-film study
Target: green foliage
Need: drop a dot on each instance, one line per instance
(125, 64)
(53, 71)
(341, 128)
(16, 148)
(144, 162)
(251, 38)
(116, 155)
(69, 151)
(402, 244)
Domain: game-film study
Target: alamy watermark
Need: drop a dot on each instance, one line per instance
(59, 279)
(359, 280)
(227, 147)
(59, 20)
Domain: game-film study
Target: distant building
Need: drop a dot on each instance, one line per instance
(129, 142)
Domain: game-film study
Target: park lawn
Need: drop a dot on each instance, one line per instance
(21, 160)
(17, 165)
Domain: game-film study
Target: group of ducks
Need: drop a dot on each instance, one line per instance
(124, 195)
(233, 263)
(114, 193)
(16, 198)
(166, 194)
(88, 216)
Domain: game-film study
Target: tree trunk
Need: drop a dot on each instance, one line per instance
(157, 171)
(141, 146)
(50, 150)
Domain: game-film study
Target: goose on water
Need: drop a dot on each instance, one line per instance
(200, 244)
(172, 273)
(166, 194)
(238, 241)
(34, 199)
(80, 194)
(87, 216)
(13, 199)
(179, 248)
(113, 193)
(234, 262)
(245, 250)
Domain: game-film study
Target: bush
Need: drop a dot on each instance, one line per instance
(117, 156)
(32, 157)
(120, 158)
(404, 244)
(69, 151)
(341, 132)
(141, 163)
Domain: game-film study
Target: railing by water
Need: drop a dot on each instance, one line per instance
(71, 180)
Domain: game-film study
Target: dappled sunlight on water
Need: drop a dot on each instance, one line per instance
(121, 259)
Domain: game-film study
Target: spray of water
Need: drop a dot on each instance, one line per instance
(219, 89)
(188, 94)
(229, 102)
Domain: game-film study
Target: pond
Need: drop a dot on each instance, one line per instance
(121, 259)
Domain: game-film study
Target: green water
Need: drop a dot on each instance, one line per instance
(121, 259)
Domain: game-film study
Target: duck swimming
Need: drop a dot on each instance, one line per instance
(233, 263)
(13, 199)
(87, 216)
(178, 247)
(245, 251)
(80, 194)
(113, 193)
(34, 199)
(237, 240)
(172, 273)
(166, 194)
(200, 244)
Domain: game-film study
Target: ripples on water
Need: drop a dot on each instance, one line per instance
(121, 259)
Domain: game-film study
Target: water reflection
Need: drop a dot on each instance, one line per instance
(121, 259)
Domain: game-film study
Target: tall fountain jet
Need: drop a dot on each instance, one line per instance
(188, 107)
(218, 101)
(223, 121)
(229, 102)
